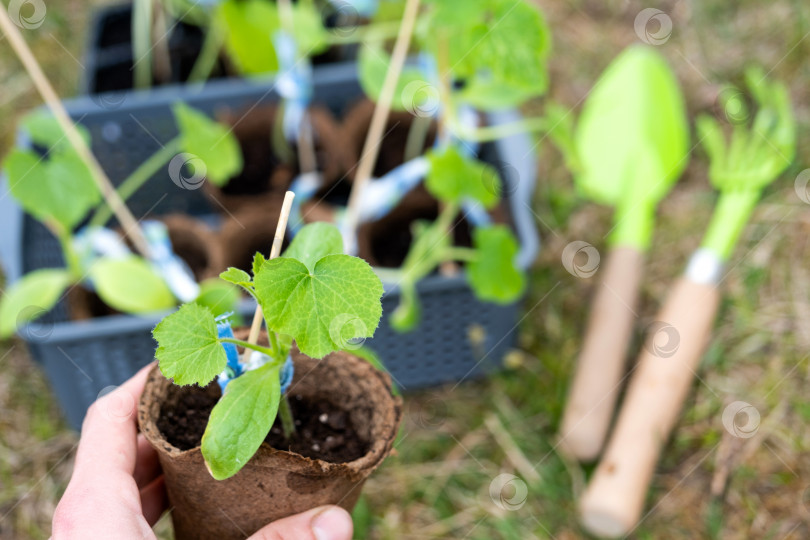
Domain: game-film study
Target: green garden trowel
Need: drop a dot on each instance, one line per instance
(632, 142)
(754, 157)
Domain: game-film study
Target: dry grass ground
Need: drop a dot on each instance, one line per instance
(456, 441)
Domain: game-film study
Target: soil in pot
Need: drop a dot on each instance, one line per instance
(197, 245)
(265, 173)
(274, 483)
(323, 430)
(386, 242)
(355, 126)
(83, 305)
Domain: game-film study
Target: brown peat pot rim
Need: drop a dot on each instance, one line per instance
(377, 450)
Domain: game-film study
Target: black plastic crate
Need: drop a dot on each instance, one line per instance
(82, 358)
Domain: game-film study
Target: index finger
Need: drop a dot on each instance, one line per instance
(108, 439)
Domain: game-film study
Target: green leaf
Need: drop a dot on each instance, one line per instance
(217, 296)
(322, 309)
(314, 242)
(498, 47)
(310, 34)
(31, 297)
(236, 276)
(258, 261)
(493, 274)
(249, 26)
(210, 141)
(45, 131)
(412, 91)
(409, 311)
(131, 285)
(241, 420)
(188, 349)
(452, 177)
(59, 188)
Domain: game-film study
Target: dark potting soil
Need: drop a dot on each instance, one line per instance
(323, 430)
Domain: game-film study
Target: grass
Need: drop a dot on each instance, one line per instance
(454, 443)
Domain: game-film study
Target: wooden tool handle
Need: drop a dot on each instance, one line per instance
(613, 501)
(601, 363)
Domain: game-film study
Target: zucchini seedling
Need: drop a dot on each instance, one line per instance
(314, 295)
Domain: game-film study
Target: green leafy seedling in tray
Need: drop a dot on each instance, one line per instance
(52, 183)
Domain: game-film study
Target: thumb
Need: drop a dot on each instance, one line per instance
(322, 523)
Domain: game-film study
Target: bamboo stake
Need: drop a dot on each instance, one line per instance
(371, 147)
(125, 217)
(278, 239)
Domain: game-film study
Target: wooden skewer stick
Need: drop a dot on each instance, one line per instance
(125, 217)
(278, 239)
(371, 147)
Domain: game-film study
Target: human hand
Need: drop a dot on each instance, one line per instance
(117, 488)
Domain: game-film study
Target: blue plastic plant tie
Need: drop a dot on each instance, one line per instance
(90, 243)
(293, 83)
(233, 368)
(286, 374)
(384, 193)
(174, 271)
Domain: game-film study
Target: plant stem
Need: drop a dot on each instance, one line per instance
(417, 134)
(491, 133)
(134, 181)
(141, 37)
(271, 352)
(125, 217)
(287, 423)
(71, 258)
(460, 254)
(207, 59)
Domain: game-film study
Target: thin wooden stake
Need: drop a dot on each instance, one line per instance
(371, 148)
(278, 239)
(127, 220)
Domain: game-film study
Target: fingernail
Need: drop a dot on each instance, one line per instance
(334, 523)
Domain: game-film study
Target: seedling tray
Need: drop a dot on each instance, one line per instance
(83, 358)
